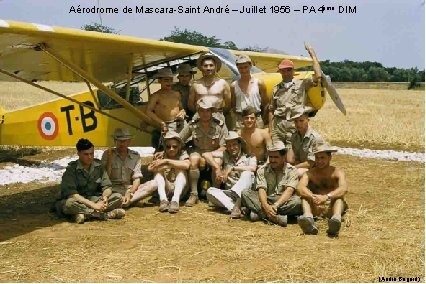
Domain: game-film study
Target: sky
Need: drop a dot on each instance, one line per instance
(391, 32)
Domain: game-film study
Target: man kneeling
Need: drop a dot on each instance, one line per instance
(273, 198)
(170, 175)
(322, 189)
(86, 189)
(237, 173)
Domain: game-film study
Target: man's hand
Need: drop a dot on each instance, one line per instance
(100, 205)
(126, 198)
(319, 199)
(164, 128)
(181, 114)
(270, 212)
(159, 155)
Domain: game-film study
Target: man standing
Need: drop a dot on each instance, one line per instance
(237, 173)
(215, 90)
(185, 74)
(322, 190)
(303, 142)
(247, 92)
(123, 165)
(165, 107)
(86, 189)
(273, 198)
(257, 139)
(208, 136)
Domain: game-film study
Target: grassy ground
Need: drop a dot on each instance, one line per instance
(382, 235)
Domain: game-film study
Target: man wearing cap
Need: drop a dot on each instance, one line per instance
(208, 136)
(185, 74)
(86, 189)
(303, 142)
(248, 91)
(273, 197)
(210, 87)
(322, 190)
(287, 98)
(123, 165)
(237, 173)
(165, 106)
(257, 139)
(170, 175)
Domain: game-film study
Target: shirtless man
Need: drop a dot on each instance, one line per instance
(165, 106)
(322, 190)
(210, 87)
(257, 139)
(248, 92)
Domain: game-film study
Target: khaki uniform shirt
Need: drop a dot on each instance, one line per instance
(303, 147)
(205, 141)
(288, 97)
(123, 172)
(273, 183)
(243, 160)
(77, 180)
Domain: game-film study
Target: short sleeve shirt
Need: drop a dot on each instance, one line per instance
(123, 172)
(288, 97)
(303, 147)
(228, 162)
(205, 141)
(274, 183)
(77, 180)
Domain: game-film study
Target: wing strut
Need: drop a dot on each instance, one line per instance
(70, 99)
(86, 76)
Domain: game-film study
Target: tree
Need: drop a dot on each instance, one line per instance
(197, 38)
(95, 27)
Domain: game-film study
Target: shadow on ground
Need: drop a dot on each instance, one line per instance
(26, 211)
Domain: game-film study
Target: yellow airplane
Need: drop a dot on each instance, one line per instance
(118, 71)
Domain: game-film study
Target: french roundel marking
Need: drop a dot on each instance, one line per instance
(48, 126)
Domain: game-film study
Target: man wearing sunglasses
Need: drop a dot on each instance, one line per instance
(169, 175)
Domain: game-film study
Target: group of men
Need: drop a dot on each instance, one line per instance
(262, 173)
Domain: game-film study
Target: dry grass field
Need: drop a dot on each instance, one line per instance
(382, 235)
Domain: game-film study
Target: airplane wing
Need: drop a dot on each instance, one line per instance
(269, 62)
(106, 57)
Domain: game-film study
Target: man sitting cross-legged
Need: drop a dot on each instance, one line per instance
(237, 173)
(322, 190)
(170, 175)
(86, 189)
(274, 196)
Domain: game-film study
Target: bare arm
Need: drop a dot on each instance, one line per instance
(150, 110)
(288, 192)
(342, 188)
(263, 95)
(266, 137)
(227, 96)
(178, 164)
(192, 98)
(305, 165)
(302, 188)
(268, 209)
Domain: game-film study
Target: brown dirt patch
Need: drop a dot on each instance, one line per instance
(383, 235)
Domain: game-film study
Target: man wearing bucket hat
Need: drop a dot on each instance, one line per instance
(165, 107)
(208, 136)
(123, 165)
(287, 98)
(86, 189)
(322, 190)
(248, 91)
(273, 197)
(210, 87)
(185, 74)
(237, 173)
(303, 142)
(169, 175)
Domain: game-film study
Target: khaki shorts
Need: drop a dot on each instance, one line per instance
(326, 210)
